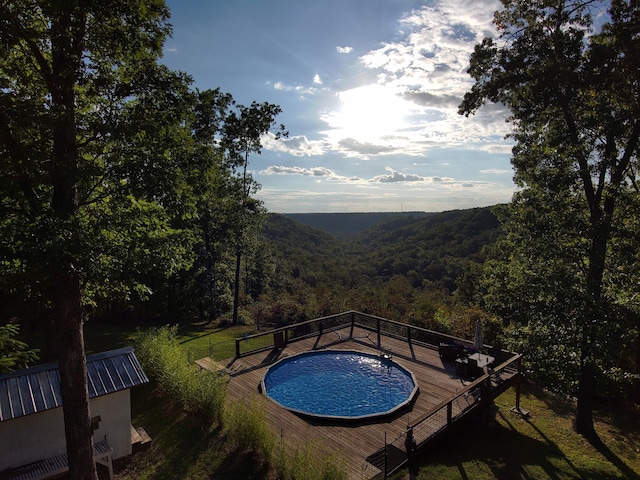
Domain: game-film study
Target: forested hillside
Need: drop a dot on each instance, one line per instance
(406, 267)
(348, 225)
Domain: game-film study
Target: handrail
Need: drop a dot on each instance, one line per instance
(349, 318)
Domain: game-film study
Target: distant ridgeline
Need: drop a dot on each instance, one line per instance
(352, 248)
(347, 225)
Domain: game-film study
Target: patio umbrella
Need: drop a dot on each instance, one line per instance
(478, 339)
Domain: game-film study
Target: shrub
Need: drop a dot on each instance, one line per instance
(199, 391)
(247, 428)
(311, 461)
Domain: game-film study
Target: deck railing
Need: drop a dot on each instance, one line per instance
(380, 327)
(476, 397)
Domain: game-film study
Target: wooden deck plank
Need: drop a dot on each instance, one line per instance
(437, 381)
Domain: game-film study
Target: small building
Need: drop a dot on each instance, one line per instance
(32, 434)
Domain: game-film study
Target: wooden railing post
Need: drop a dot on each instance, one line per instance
(518, 382)
(237, 348)
(384, 474)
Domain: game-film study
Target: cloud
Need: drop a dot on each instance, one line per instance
(298, 145)
(495, 171)
(316, 172)
(395, 176)
(304, 90)
(430, 99)
(317, 80)
(344, 49)
(407, 95)
(363, 148)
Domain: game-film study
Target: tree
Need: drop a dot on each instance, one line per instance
(575, 103)
(90, 144)
(242, 136)
(13, 352)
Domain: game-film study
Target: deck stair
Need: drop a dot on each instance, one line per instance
(140, 439)
(59, 464)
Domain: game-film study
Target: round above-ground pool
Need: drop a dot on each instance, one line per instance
(339, 384)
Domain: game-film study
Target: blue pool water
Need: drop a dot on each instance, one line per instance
(336, 383)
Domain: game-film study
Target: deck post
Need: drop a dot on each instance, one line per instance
(518, 382)
(237, 348)
(384, 473)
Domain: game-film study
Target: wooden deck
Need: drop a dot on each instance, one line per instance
(354, 442)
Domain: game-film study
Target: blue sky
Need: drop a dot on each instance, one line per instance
(369, 91)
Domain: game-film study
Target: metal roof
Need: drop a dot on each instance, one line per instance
(36, 389)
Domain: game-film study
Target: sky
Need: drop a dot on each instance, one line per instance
(369, 91)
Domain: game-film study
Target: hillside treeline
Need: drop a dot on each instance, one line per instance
(417, 269)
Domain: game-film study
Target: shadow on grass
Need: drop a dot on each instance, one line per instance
(503, 451)
(614, 459)
(239, 465)
(181, 445)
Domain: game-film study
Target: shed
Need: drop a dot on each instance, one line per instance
(31, 419)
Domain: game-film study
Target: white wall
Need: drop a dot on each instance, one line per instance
(40, 435)
(115, 411)
(32, 437)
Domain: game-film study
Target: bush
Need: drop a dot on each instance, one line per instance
(199, 391)
(247, 429)
(310, 461)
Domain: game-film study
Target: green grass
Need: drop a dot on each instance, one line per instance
(196, 339)
(543, 446)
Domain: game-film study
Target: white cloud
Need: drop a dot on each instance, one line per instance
(317, 80)
(421, 80)
(294, 88)
(317, 172)
(395, 176)
(298, 145)
(344, 49)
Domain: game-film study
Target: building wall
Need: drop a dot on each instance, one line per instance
(115, 413)
(38, 436)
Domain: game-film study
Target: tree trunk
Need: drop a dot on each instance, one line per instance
(586, 392)
(236, 288)
(67, 33)
(73, 377)
(601, 229)
(637, 387)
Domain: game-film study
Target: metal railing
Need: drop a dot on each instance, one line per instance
(478, 395)
(381, 327)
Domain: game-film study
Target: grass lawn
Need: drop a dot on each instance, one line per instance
(542, 446)
(197, 339)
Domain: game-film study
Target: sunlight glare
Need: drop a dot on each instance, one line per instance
(369, 113)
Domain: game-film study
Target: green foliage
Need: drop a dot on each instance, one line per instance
(310, 461)
(247, 429)
(403, 269)
(199, 391)
(13, 352)
(571, 86)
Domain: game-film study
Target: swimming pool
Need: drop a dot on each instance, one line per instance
(339, 384)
